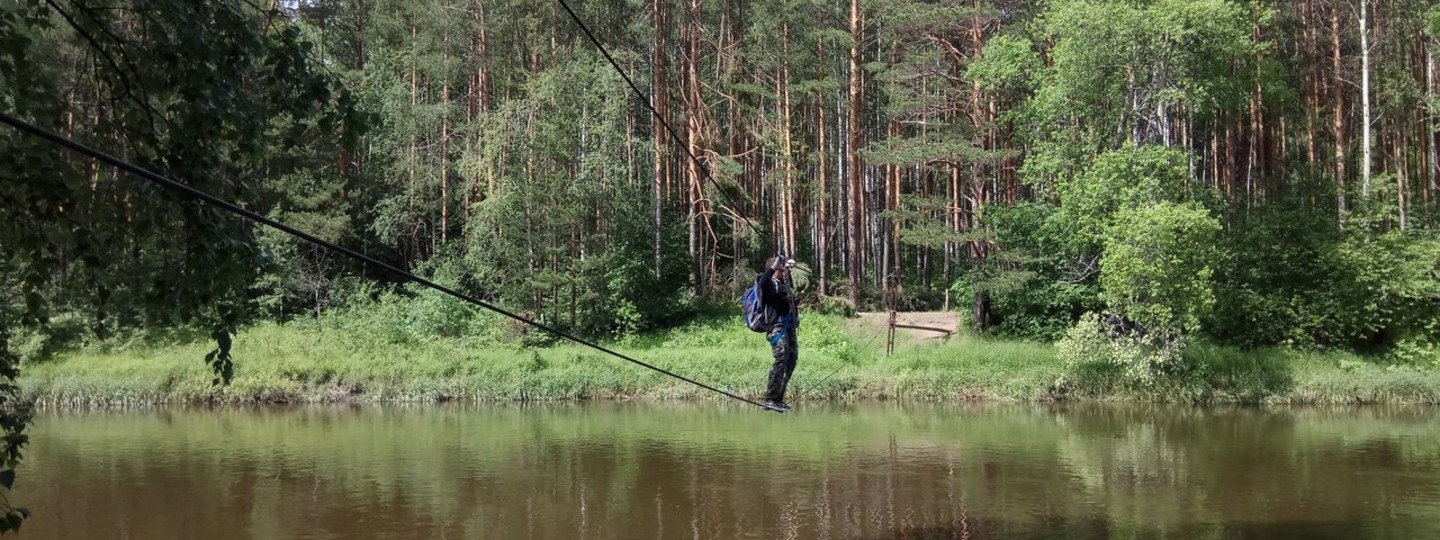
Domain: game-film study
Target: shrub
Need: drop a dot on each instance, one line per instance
(1140, 360)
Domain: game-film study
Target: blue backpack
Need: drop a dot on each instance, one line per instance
(758, 316)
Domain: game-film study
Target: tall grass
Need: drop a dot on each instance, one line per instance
(382, 353)
(1219, 374)
(354, 356)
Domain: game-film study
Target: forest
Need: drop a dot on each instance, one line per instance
(1122, 178)
(1132, 174)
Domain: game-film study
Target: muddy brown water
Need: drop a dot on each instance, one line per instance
(710, 470)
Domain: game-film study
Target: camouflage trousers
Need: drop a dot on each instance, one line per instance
(782, 344)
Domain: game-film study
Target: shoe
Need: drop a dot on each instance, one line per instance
(777, 406)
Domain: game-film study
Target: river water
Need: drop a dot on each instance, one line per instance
(711, 470)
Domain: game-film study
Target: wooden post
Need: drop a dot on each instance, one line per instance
(890, 335)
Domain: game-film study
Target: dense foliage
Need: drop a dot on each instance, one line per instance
(1180, 169)
(1013, 157)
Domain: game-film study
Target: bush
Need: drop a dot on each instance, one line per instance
(1052, 299)
(1138, 359)
(1156, 269)
(833, 305)
(1295, 279)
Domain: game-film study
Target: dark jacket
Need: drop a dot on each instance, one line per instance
(777, 297)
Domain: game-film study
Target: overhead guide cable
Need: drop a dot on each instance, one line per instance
(233, 208)
(645, 98)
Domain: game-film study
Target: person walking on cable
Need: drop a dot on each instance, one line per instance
(777, 293)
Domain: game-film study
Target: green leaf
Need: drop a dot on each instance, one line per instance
(7, 478)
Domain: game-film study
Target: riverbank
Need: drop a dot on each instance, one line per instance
(346, 360)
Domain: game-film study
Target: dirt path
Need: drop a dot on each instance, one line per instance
(869, 325)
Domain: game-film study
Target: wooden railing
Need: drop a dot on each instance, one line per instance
(890, 339)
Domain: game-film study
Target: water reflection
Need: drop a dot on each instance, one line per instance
(703, 470)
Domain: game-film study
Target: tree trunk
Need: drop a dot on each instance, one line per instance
(410, 253)
(1433, 168)
(694, 109)
(486, 85)
(980, 311)
(1232, 141)
(1215, 160)
(980, 308)
(1338, 98)
(890, 265)
(1256, 166)
(657, 101)
(1365, 150)
(856, 165)
(787, 161)
(731, 69)
(822, 172)
(956, 218)
(1312, 82)
(445, 149)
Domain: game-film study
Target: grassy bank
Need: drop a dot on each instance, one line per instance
(351, 358)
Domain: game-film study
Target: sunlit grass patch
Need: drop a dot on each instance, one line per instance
(344, 358)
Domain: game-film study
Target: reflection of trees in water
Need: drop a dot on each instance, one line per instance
(625, 472)
(1100, 529)
(727, 495)
(1236, 465)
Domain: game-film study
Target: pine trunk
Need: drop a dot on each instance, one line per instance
(1432, 137)
(486, 85)
(1365, 148)
(822, 172)
(694, 108)
(856, 166)
(414, 151)
(444, 161)
(657, 100)
(1338, 100)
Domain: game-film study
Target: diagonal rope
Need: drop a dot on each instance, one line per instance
(645, 98)
(233, 208)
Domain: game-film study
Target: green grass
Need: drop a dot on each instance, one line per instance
(355, 357)
(1345, 378)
